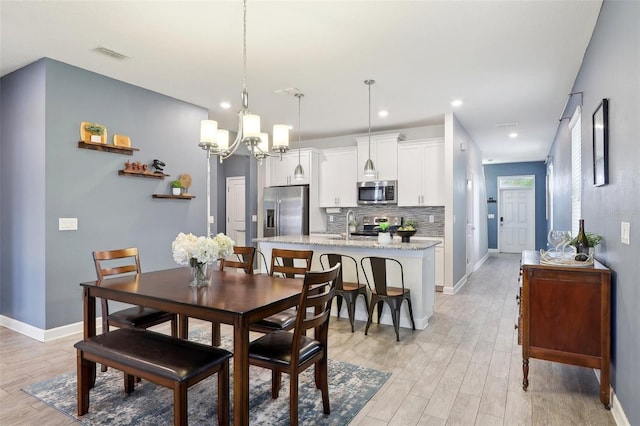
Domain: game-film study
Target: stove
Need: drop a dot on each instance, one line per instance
(370, 225)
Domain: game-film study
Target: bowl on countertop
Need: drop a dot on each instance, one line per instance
(406, 235)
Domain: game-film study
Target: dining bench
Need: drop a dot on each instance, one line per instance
(164, 360)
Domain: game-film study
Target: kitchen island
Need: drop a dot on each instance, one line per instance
(417, 259)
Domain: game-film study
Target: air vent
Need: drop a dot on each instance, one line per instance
(508, 124)
(290, 91)
(109, 52)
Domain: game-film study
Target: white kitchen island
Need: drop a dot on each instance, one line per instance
(417, 259)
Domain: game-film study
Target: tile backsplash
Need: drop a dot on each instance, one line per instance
(418, 214)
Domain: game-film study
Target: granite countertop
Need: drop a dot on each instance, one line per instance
(339, 241)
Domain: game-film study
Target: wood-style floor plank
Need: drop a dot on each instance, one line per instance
(465, 368)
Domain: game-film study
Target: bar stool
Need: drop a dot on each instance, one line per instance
(382, 293)
(349, 291)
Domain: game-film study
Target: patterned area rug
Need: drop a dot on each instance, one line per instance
(350, 387)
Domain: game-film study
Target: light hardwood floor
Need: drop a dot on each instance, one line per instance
(463, 369)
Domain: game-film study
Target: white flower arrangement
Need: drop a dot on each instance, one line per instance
(190, 250)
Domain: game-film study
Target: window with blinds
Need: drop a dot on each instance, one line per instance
(575, 126)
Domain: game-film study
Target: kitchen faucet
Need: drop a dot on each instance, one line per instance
(349, 213)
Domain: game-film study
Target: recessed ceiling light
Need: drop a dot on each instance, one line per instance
(225, 105)
(513, 135)
(456, 102)
(383, 113)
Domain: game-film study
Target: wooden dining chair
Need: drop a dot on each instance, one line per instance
(124, 261)
(289, 264)
(292, 352)
(245, 256)
(347, 290)
(381, 293)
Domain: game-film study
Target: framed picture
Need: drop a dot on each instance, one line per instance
(600, 122)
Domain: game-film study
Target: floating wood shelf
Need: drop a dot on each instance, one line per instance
(175, 197)
(126, 150)
(150, 175)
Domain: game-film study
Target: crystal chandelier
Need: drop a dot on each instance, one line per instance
(216, 141)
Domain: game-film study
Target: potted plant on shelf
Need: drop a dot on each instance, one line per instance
(96, 131)
(384, 236)
(176, 187)
(407, 230)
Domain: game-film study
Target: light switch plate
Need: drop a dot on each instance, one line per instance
(254, 218)
(67, 224)
(625, 230)
(211, 219)
(492, 216)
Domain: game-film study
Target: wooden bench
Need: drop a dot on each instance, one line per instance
(158, 358)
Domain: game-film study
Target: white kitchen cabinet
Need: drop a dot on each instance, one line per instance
(384, 154)
(421, 174)
(338, 176)
(280, 173)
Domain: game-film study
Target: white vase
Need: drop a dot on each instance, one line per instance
(176, 191)
(384, 238)
(96, 138)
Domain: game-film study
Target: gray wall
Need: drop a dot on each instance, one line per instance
(611, 69)
(45, 176)
(537, 168)
(22, 188)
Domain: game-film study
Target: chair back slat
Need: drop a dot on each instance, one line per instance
(245, 256)
(129, 255)
(283, 261)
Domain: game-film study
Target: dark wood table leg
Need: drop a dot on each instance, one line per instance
(241, 372)
(525, 373)
(89, 321)
(183, 327)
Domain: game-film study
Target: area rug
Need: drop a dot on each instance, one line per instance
(350, 387)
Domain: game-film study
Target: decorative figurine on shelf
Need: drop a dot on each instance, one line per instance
(144, 168)
(127, 166)
(158, 165)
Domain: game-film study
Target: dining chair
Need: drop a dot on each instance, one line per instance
(245, 256)
(289, 264)
(378, 278)
(292, 352)
(124, 261)
(347, 290)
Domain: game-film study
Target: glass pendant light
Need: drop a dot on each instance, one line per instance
(369, 168)
(298, 173)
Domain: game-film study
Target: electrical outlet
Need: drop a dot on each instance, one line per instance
(431, 218)
(330, 218)
(211, 220)
(625, 230)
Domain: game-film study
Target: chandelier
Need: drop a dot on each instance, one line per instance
(216, 141)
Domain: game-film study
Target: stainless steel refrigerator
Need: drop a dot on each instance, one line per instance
(286, 210)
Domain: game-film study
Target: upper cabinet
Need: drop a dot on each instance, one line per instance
(421, 173)
(384, 154)
(338, 174)
(280, 173)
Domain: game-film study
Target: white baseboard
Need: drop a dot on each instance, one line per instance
(456, 288)
(480, 262)
(616, 408)
(45, 335)
(494, 251)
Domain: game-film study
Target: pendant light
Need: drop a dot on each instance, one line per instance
(298, 173)
(369, 168)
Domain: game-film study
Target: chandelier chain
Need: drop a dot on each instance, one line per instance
(244, 46)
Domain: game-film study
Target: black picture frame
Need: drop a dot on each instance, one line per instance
(600, 125)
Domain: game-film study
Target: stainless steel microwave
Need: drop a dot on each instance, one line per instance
(378, 192)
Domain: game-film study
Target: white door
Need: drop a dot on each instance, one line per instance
(236, 210)
(517, 221)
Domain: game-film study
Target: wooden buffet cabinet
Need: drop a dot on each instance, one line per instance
(565, 316)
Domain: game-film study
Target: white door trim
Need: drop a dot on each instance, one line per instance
(532, 208)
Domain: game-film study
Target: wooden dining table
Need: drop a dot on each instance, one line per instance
(231, 298)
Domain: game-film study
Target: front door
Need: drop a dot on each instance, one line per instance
(517, 219)
(236, 228)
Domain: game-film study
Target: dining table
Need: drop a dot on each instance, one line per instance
(233, 298)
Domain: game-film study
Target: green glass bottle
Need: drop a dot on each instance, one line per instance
(582, 243)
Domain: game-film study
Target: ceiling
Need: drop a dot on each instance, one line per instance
(509, 61)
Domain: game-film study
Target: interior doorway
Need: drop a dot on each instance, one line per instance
(236, 218)
(516, 212)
